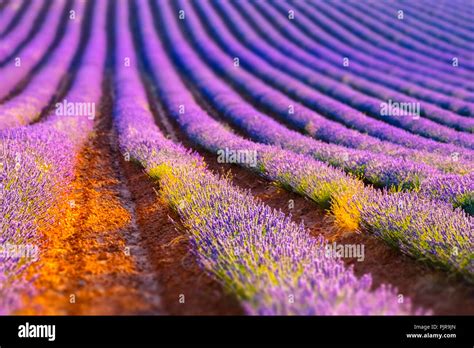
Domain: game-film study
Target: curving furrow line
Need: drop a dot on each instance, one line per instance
(271, 100)
(290, 69)
(242, 242)
(378, 169)
(336, 37)
(334, 34)
(11, 16)
(343, 75)
(423, 87)
(457, 233)
(432, 26)
(409, 36)
(459, 19)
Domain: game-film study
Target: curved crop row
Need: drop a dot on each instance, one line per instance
(8, 14)
(421, 228)
(24, 108)
(346, 207)
(370, 30)
(375, 168)
(366, 79)
(456, 17)
(343, 27)
(253, 86)
(19, 67)
(300, 173)
(338, 41)
(412, 38)
(22, 30)
(425, 26)
(365, 103)
(301, 117)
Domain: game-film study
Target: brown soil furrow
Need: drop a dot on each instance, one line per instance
(176, 268)
(117, 247)
(162, 120)
(427, 287)
(185, 288)
(91, 260)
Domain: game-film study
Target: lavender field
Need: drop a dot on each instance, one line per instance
(238, 157)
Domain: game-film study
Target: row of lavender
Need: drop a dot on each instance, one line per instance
(377, 169)
(23, 31)
(382, 295)
(334, 46)
(384, 67)
(429, 51)
(18, 67)
(23, 108)
(386, 298)
(354, 74)
(37, 163)
(303, 118)
(378, 46)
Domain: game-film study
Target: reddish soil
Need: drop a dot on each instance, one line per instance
(91, 252)
(170, 255)
(116, 247)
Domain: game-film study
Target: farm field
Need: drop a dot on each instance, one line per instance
(210, 157)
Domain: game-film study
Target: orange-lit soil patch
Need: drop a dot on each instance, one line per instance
(91, 262)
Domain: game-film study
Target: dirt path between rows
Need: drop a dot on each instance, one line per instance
(116, 249)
